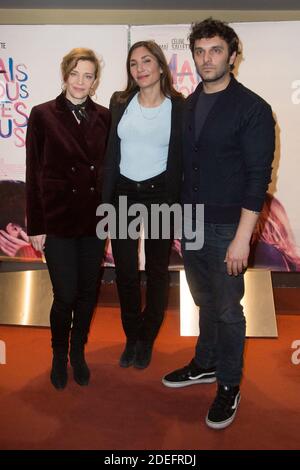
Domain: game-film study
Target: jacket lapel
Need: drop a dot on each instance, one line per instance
(119, 109)
(72, 127)
(189, 115)
(90, 130)
(213, 113)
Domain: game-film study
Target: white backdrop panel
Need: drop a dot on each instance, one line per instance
(31, 57)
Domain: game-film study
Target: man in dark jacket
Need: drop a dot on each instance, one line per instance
(228, 145)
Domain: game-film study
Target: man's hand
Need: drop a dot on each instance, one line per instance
(238, 251)
(237, 256)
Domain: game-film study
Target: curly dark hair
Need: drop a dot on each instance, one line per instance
(209, 28)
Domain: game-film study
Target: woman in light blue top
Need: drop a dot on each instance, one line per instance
(143, 163)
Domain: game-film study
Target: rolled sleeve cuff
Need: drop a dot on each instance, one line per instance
(253, 203)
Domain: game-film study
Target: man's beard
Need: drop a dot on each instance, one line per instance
(216, 77)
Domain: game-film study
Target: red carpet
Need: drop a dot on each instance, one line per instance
(131, 409)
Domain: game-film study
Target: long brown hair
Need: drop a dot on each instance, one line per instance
(166, 84)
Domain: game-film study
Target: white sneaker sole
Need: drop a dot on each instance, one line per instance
(207, 380)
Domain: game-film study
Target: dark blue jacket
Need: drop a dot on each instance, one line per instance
(229, 166)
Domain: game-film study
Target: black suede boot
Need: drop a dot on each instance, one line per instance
(143, 354)
(59, 374)
(128, 355)
(81, 372)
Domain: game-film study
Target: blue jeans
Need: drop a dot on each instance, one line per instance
(222, 322)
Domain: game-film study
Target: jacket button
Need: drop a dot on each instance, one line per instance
(195, 188)
(195, 168)
(73, 169)
(92, 167)
(74, 190)
(92, 189)
(195, 148)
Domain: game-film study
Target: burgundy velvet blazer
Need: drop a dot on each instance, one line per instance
(64, 165)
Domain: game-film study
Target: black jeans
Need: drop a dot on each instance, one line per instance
(74, 266)
(138, 323)
(222, 321)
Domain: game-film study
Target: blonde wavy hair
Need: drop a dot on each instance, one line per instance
(71, 59)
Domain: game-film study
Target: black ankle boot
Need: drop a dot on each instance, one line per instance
(81, 372)
(59, 374)
(128, 355)
(143, 354)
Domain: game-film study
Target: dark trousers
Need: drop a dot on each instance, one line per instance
(138, 323)
(74, 266)
(222, 322)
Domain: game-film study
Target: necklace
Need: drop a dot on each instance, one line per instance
(145, 111)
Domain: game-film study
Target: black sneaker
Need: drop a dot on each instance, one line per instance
(189, 375)
(223, 410)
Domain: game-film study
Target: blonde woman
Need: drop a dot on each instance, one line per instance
(66, 141)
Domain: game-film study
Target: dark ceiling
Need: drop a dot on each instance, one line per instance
(154, 4)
